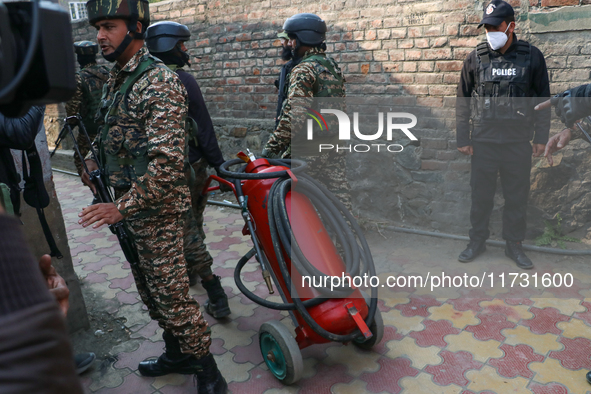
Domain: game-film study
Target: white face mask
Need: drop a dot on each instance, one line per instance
(497, 39)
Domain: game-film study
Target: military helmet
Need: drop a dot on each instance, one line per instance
(85, 48)
(163, 36)
(310, 29)
(118, 9)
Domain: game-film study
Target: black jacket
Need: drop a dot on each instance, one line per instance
(208, 143)
(17, 133)
(507, 133)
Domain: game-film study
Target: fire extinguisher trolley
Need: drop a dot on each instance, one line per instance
(287, 214)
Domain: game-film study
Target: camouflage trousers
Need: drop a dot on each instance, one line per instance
(163, 284)
(330, 169)
(198, 258)
(84, 146)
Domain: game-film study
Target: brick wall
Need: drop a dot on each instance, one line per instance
(385, 47)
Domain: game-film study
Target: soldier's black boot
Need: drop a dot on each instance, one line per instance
(171, 361)
(217, 304)
(209, 378)
(514, 250)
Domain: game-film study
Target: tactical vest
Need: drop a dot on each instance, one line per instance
(502, 89)
(115, 112)
(325, 87)
(92, 96)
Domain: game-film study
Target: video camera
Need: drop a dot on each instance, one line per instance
(36, 56)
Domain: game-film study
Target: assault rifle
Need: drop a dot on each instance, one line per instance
(98, 179)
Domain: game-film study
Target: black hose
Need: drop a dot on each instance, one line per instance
(261, 301)
(301, 166)
(334, 214)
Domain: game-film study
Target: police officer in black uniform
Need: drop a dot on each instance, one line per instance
(501, 82)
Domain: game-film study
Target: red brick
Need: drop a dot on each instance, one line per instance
(559, 3)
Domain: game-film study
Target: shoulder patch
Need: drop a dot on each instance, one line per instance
(142, 84)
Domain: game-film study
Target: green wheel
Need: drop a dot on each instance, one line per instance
(376, 328)
(281, 352)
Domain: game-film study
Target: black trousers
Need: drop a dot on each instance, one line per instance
(513, 163)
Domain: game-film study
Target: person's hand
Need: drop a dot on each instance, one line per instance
(467, 150)
(557, 142)
(91, 164)
(55, 283)
(538, 150)
(104, 213)
(546, 104)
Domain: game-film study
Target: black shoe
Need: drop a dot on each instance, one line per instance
(83, 361)
(474, 249)
(163, 365)
(217, 304)
(514, 251)
(172, 361)
(588, 377)
(209, 378)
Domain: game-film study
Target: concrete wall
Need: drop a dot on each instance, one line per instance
(385, 47)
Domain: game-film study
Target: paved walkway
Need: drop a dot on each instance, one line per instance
(480, 341)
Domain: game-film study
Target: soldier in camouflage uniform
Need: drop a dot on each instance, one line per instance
(314, 74)
(165, 40)
(85, 102)
(141, 140)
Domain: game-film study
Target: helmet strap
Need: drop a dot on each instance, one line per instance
(132, 34)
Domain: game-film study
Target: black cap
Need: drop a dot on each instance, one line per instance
(496, 12)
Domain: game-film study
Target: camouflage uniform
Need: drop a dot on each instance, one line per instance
(330, 167)
(198, 258)
(154, 204)
(89, 86)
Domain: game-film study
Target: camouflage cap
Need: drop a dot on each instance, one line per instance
(85, 48)
(283, 35)
(118, 9)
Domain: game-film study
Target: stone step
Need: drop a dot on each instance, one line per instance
(63, 160)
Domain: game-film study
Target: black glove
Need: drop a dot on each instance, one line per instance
(223, 187)
(570, 105)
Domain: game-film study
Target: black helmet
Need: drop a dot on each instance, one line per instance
(163, 36)
(308, 28)
(85, 48)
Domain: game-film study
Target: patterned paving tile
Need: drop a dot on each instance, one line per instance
(403, 324)
(387, 379)
(487, 378)
(514, 313)
(575, 354)
(419, 356)
(515, 361)
(490, 327)
(132, 384)
(565, 306)
(459, 319)
(434, 333)
(552, 388)
(585, 315)
(574, 328)
(259, 381)
(417, 306)
(422, 384)
(453, 368)
(331, 375)
(358, 361)
(544, 320)
(551, 371)
(542, 344)
(482, 350)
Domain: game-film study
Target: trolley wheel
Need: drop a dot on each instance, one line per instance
(281, 352)
(376, 328)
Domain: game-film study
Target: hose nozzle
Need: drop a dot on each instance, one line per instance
(267, 278)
